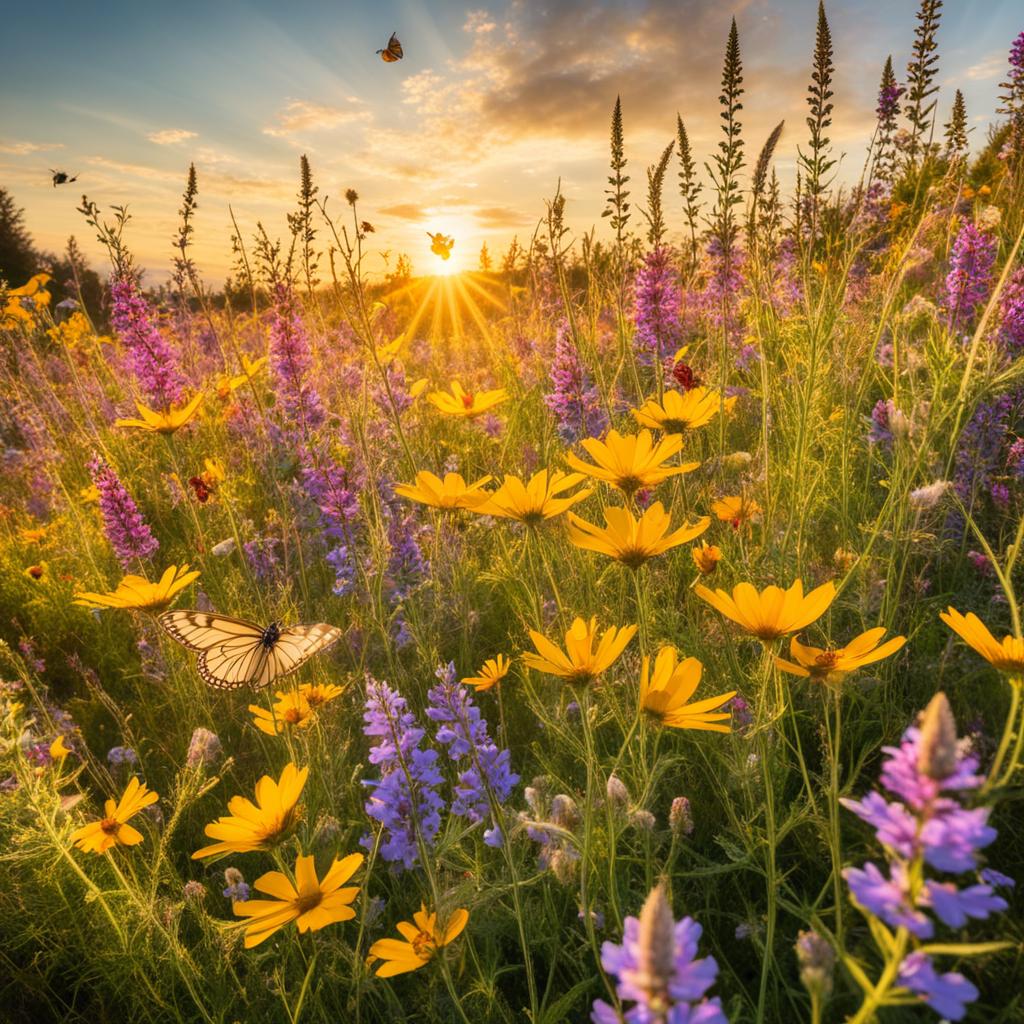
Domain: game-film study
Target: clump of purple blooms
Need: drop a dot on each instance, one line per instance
(291, 360)
(656, 968)
(573, 399)
(128, 533)
(488, 774)
(927, 827)
(405, 800)
(150, 358)
(658, 303)
(980, 453)
(969, 280)
(1011, 310)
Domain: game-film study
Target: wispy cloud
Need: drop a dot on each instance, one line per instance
(305, 116)
(404, 211)
(988, 67)
(27, 148)
(170, 136)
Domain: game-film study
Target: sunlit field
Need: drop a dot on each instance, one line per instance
(617, 626)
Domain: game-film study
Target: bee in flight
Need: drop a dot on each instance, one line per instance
(441, 245)
(62, 178)
(393, 51)
(235, 653)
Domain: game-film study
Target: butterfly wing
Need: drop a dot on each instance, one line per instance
(295, 646)
(232, 653)
(395, 47)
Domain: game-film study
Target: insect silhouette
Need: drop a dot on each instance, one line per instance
(441, 245)
(393, 51)
(62, 178)
(235, 653)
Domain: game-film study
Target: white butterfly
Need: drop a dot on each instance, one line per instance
(234, 653)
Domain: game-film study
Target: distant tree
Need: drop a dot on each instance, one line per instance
(485, 259)
(18, 257)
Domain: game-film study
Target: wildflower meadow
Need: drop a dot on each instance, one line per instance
(624, 631)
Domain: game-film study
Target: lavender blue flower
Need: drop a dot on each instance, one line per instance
(657, 970)
(118, 756)
(947, 994)
(1011, 313)
(405, 800)
(128, 533)
(464, 732)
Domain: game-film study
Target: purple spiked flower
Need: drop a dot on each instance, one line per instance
(1011, 310)
(125, 528)
(927, 826)
(291, 360)
(969, 280)
(656, 968)
(464, 732)
(573, 400)
(659, 301)
(150, 358)
(405, 800)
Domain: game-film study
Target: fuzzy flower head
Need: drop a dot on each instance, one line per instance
(581, 662)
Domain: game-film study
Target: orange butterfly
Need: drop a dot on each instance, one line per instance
(393, 51)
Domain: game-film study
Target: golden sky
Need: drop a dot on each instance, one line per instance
(467, 135)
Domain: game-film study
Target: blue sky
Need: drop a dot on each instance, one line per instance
(468, 134)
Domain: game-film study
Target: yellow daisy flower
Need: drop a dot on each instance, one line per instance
(59, 748)
(166, 422)
(33, 534)
(665, 692)
(494, 670)
(310, 902)
(466, 404)
(137, 592)
(258, 826)
(832, 665)
(631, 461)
(317, 695)
(580, 663)
(452, 492)
(737, 510)
(1007, 655)
(773, 612)
(112, 830)
(706, 557)
(291, 710)
(226, 384)
(423, 938)
(630, 540)
(677, 413)
(536, 501)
